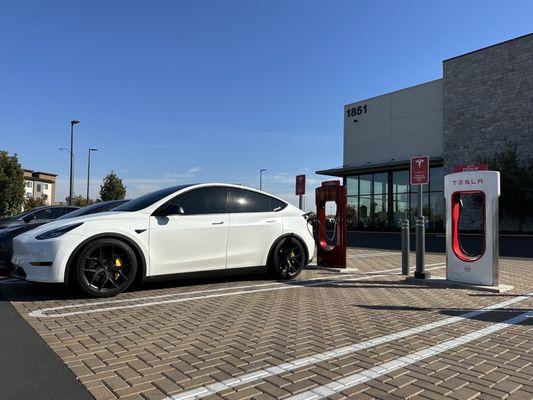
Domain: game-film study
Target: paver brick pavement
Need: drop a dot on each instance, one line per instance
(160, 350)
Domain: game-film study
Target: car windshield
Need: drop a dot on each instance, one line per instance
(94, 208)
(148, 199)
(22, 214)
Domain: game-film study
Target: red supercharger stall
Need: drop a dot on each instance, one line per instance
(331, 254)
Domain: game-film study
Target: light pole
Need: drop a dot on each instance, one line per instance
(71, 188)
(89, 171)
(261, 178)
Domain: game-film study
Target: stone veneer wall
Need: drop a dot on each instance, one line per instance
(487, 99)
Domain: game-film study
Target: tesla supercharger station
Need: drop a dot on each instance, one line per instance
(480, 268)
(331, 255)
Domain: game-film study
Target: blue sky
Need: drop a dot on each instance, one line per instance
(175, 91)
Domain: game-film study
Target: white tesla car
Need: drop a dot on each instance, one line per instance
(182, 229)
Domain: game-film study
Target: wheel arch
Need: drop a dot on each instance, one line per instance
(284, 236)
(110, 235)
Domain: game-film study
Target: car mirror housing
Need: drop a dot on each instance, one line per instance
(169, 209)
(29, 218)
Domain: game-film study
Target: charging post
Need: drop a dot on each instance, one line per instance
(419, 176)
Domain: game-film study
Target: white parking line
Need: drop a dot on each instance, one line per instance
(134, 299)
(231, 383)
(401, 362)
(43, 313)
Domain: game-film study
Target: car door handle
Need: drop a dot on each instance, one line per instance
(217, 223)
(270, 221)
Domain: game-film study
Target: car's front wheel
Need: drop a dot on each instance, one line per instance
(288, 258)
(106, 267)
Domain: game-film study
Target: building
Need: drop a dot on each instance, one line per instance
(484, 99)
(40, 184)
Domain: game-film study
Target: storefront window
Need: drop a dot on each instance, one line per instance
(437, 214)
(436, 179)
(400, 181)
(380, 201)
(352, 182)
(351, 212)
(365, 184)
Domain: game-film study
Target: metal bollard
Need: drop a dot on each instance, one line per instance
(406, 248)
(420, 272)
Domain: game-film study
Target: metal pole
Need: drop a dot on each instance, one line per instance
(88, 174)
(300, 202)
(261, 178)
(420, 272)
(71, 186)
(406, 246)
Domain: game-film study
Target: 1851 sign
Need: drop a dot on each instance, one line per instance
(356, 111)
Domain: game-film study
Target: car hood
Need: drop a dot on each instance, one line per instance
(15, 230)
(10, 222)
(98, 217)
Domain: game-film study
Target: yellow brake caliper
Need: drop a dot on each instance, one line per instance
(118, 264)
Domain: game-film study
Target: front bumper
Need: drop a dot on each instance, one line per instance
(30, 254)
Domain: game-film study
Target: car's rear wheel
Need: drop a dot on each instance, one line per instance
(106, 267)
(288, 258)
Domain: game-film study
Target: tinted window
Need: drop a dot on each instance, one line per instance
(208, 200)
(243, 200)
(58, 212)
(148, 199)
(277, 205)
(42, 214)
(94, 208)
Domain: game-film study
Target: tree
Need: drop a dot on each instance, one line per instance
(34, 202)
(11, 184)
(79, 201)
(516, 176)
(112, 188)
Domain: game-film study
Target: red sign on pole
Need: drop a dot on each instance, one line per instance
(420, 170)
(300, 185)
(472, 167)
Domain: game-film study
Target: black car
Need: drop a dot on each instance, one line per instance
(7, 234)
(38, 215)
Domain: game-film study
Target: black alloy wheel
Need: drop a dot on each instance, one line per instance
(106, 267)
(288, 259)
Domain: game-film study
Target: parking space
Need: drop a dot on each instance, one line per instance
(363, 333)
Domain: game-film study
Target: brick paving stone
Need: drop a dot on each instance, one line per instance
(157, 351)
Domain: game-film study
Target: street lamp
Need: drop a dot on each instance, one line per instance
(71, 189)
(89, 171)
(261, 178)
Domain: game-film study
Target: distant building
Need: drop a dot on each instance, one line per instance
(40, 184)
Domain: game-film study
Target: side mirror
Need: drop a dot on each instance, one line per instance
(29, 218)
(169, 209)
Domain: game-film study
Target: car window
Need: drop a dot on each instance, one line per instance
(277, 205)
(148, 199)
(207, 200)
(57, 212)
(42, 214)
(242, 200)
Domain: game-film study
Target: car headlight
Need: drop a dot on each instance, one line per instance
(57, 232)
